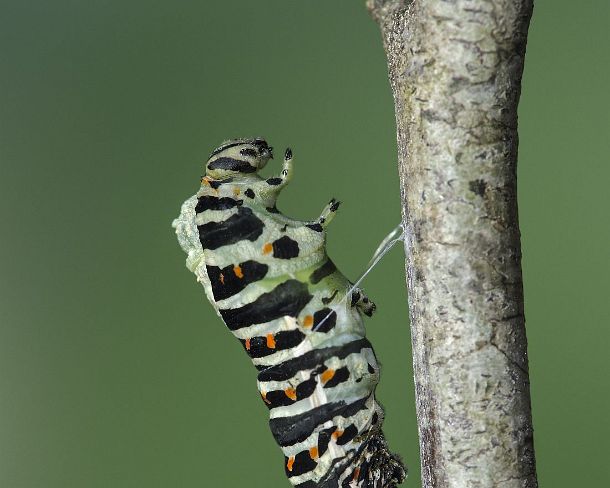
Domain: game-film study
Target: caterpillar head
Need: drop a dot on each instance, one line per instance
(238, 156)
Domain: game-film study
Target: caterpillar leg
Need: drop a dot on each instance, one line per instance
(328, 214)
(362, 302)
(287, 166)
(276, 183)
(325, 217)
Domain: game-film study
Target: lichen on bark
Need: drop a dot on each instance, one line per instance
(455, 71)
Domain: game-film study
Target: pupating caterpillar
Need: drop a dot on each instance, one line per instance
(270, 280)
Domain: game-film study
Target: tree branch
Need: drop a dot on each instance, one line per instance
(455, 70)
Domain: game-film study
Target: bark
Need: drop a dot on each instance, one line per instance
(455, 70)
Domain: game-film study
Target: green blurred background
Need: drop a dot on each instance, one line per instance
(114, 371)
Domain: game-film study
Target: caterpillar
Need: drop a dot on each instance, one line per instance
(270, 280)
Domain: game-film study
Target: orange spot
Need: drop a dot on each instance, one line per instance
(291, 393)
(267, 248)
(308, 321)
(264, 395)
(327, 375)
(238, 272)
(336, 434)
(248, 344)
(313, 452)
(290, 463)
(356, 474)
(222, 278)
(270, 341)
(236, 191)
(206, 181)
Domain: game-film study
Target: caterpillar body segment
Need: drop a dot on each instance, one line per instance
(270, 280)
